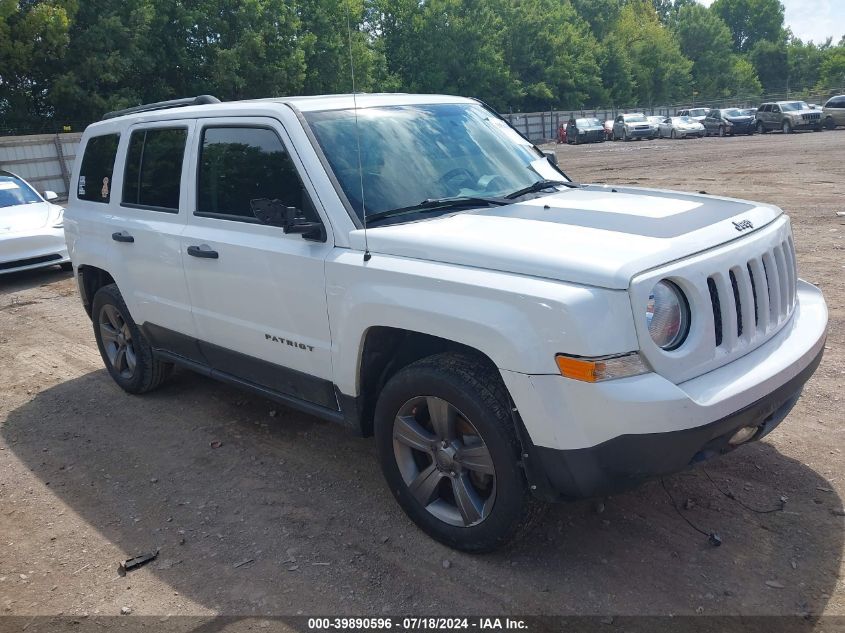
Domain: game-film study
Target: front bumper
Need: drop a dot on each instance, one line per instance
(35, 249)
(605, 437)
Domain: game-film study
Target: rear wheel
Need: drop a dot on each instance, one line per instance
(449, 452)
(126, 353)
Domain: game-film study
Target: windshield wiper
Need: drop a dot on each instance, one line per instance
(540, 185)
(438, 204)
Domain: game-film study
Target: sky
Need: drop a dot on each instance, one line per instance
(813, 20)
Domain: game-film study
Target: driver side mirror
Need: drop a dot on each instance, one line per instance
(50, 195)
(290, 219)
(550, 156)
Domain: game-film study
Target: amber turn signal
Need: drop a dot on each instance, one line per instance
(600, 368)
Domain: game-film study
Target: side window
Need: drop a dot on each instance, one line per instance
(775, 108)
(154, 168)
(95, 174)
(240, 164)
(765, 108)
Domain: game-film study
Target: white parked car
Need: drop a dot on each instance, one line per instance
(31, 234)
(508, 335)
(680, 127)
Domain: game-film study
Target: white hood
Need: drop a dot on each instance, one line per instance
(597, 235)
(26, 217)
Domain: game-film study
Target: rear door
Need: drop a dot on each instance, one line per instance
(774, 117)
(838, 110)
(258, 295)
(148, 225)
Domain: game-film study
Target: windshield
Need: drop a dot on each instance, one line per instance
(414, 153)
(698, 112)
(14, 191)
(634, 118)
(794, 105)
(683, 119)
(733, 112)
(588, 123)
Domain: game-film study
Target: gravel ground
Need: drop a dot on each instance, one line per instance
(289, 514)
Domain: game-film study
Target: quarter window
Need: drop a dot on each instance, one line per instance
(95, 174)
(240, 164)
(154, 168)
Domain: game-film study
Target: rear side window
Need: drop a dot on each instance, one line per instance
(154, 168)
(95, 174)
(240, 164)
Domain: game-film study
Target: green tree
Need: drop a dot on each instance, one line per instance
(451, 46)
(751, 21)
(549, 48)
(771, 61)
(706, 40)
(832, 70)
(33, 39)
(660, 71)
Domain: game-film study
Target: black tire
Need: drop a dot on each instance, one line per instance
(829, 123)
(786, 127)
(148, 372)
(672, 134)
(477, 395)
(722, 131)
(818, 128)
(66, 266)
(761, 127)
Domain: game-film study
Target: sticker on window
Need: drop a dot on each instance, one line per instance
(80, 191)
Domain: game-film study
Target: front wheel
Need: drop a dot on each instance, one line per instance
(449, 452)
(829, 123)
(761, 128)
(786, 128)
(722, 131)
(127, 355)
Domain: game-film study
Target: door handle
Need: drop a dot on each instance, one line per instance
(204, 251)
(122, 236)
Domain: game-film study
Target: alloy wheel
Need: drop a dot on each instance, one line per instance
(117, 341)
(444, 461)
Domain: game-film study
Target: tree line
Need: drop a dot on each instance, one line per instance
(73, 60)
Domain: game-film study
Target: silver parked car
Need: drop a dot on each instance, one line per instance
(788, 116)
(833, 113)
(696, 113)
(633, 125)
(680, 127)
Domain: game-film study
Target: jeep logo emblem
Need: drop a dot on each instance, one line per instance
(742, 225)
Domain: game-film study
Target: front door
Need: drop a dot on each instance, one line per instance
(258, 295)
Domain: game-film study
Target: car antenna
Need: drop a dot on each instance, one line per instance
(367, 255)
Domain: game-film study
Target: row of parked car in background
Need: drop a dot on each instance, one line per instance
(784, 116)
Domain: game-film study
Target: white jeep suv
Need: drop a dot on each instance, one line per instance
(411, 267)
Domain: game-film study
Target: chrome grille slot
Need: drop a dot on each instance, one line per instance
(752, 300)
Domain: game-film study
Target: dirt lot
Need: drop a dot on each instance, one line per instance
(289, 515)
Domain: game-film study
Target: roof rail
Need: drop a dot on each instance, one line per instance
(163, 105)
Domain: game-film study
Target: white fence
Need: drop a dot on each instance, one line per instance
(44, 160)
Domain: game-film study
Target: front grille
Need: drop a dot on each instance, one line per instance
(753, 299)
(815, 116)
(20, 263)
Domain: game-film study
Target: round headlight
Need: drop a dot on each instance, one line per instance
(667, 315)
